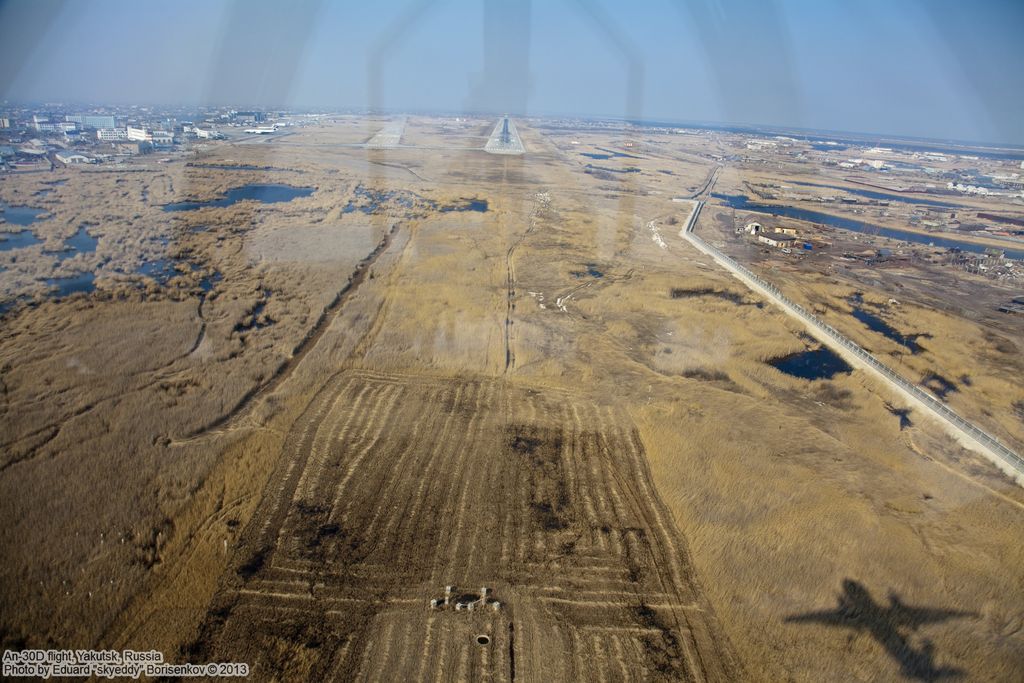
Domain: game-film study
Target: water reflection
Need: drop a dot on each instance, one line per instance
(271, 193)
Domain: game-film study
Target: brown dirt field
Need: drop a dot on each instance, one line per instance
(557, 398)
(541, 497)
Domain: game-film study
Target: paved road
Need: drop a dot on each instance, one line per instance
(967, 434)
(505, 138)
(389, 136)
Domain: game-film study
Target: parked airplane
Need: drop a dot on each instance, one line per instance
(262, 130)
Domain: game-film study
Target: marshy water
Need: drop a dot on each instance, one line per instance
(79, 243)
(371, 201)
(20, 215)
(876, 323)
(23, 216)
(81, 282)
(266, 193)
(18, 240)
(163, 269)
(820, 363)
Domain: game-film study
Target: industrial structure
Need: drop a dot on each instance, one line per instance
(467, 602)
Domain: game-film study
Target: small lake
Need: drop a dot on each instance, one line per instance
(370, 201)
(160, 270)
(739, 201)
(264, 193)
(82, 282)
(18, 240)
(591, 271)
(821, 363)
(876, 323)
(210, 281)
(882, 196)
(81, 242)
(20, 215)
(478, 205)
(164, 269)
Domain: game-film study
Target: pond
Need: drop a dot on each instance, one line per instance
(478, 205)
(82, 282)
(160, 270)
(820, 363)
(20, 215)
(210, 281)
(270, 193)
(591, 271)
(875, 323)
(81, 242)
(18, 240)
(370, 201)
(164, 269)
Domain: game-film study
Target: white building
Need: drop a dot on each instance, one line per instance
(111, 134)
(44, 125)
(92, 120)
(140, 134)
(776, 239)
(157, 138)
(73, 158)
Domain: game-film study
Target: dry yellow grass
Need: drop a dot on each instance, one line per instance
(779, 488)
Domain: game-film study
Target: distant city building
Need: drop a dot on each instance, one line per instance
(111, 134)
(157, 138)
(131, 147)
(92, 120)
(208, 134)
(6, 123)
(44, 125)
(140, 134)
(250, 117)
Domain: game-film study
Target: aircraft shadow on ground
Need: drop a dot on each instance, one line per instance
(890, 626)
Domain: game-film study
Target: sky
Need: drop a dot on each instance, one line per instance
(924, 68)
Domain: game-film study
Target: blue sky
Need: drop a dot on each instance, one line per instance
(930, 68)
